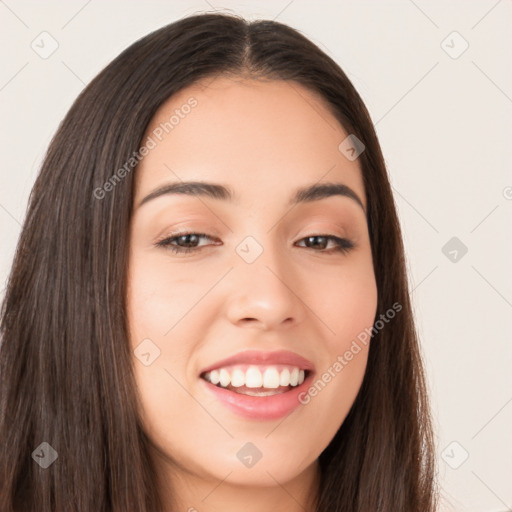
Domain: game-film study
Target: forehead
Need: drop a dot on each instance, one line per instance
(256, 136)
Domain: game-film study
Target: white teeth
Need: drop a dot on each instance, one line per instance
(237, 378)
(214, 377)
(271, 378)
(284, 379)
(253, 378)
(225, 379)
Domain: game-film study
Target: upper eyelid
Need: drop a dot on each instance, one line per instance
(333, 227)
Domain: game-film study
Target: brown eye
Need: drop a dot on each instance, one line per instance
(183, 242)
(320, 242)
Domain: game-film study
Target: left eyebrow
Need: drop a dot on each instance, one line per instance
(221, 192)
(322, 191)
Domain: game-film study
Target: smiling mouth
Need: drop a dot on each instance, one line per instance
(273, 380)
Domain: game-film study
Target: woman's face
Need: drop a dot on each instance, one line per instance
(263, 273)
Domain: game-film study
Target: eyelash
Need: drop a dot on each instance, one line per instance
(343, 245)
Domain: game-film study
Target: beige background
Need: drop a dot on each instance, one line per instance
(443, 116)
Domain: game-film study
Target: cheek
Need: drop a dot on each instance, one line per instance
(345, 301)
(159, 296)
(344, 298)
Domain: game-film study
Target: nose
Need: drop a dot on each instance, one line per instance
(265, 294)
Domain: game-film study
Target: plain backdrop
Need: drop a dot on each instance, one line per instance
(436, 77)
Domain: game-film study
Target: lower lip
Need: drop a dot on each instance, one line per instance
(261, 407)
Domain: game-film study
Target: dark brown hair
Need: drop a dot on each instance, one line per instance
(66, 375)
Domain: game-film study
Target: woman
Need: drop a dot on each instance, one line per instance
(208, 305)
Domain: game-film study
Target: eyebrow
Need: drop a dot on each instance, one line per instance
(217, 191)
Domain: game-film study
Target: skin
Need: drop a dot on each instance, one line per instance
(263, 140)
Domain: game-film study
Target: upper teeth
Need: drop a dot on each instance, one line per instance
(254, 377)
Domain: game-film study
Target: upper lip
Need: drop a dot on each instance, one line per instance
(258, 357)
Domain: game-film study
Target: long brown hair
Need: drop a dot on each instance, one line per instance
(66, 374)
